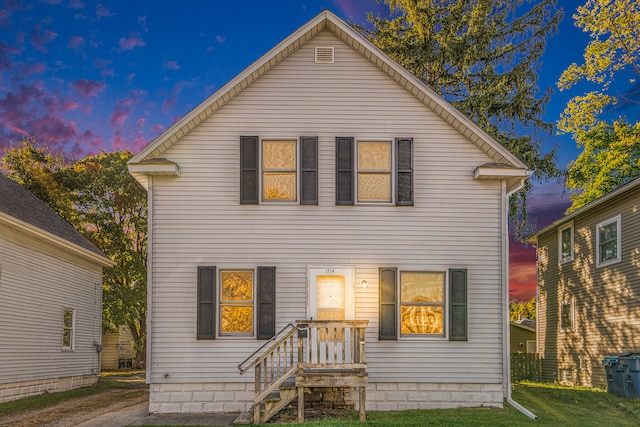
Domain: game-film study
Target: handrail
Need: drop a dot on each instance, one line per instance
(259, 359)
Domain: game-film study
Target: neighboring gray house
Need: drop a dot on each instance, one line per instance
(326, 183)
(523, 336)
(589, 288)
(50, 299)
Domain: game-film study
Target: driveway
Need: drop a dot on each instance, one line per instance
(111, 408)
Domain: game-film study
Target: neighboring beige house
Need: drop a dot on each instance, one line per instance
(117, 350)
(326, 183)
(523, 336)
(50, 299)
(589, 288)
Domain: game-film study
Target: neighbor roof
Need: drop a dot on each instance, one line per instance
(21, 209)
(324, 21)
(615, 193)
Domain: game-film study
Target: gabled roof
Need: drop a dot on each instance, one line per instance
(615, 193)
(21, 209)
(326, 21)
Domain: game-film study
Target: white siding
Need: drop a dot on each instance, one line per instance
(37, 281)
(197, 220)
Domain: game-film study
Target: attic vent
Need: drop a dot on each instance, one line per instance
(324, 55)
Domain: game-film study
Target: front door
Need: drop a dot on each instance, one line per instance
(331, 293)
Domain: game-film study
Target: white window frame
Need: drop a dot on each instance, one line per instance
(296, 142)
(392, 170)
(561, 259)
(444, 305)
(221, 304)
(618, 221)
(571, 305)
(72, 337)
(528, 344)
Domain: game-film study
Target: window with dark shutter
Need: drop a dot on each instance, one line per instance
(206, 303)
(388, 329)
(266, 294)
(404, 172)
(344, 170)
(458, 304)
(248, 170)
(309, 170)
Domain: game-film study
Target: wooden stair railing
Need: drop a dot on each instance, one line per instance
(273, 368)
(328, 354)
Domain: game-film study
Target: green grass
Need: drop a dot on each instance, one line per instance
(49, 399)
(554, 405)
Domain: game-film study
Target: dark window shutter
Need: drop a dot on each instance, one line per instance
(309, 170)
(249, 170)
(206, 303)
(388, 329)
(344, 170)
(266, 302)
(404, 172)
(458, 304)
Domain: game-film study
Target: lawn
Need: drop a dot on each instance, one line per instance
(554, 405)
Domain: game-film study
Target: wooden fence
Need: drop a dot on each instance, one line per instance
(525, 366)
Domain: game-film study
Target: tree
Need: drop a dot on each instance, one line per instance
(103, 202)
(614, 51)
(522, 310)
(481, 56)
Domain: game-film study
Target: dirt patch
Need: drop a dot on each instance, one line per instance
(80, 410)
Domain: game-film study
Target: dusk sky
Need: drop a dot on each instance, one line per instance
(84, 76)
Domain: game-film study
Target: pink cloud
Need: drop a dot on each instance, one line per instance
(32, 69)
(76, 43)
(40, 38)
(76, 4)
(140, 122)
(130, 42)
(522, 271)
(121, 112)
(171, 65)
(103, 11)
(117, 142)
(86, 87)
(158, 128)
(221, 39)
(5, 55)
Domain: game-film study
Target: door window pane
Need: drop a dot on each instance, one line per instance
(330, 297)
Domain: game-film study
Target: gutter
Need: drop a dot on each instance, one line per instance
(506, 359)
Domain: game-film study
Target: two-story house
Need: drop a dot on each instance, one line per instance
(589, 288)
(327, 185)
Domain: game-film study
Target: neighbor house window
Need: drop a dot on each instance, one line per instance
(565, 242)
(608, 238)
(236, 302)
(68, 328)
(566, 315)
(279, 171)
(422, 303)
(374, 171)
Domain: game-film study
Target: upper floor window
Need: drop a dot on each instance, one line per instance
(279, 171)
(68, 328)
(370, 171)
(374, 171)
(565, 242)
(608, 242)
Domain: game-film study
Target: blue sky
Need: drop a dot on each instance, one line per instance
(84, 76)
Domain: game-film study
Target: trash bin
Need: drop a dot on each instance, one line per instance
(616, 378)
(630, 362)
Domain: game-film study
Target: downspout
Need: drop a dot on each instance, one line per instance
(147, 363)
(506, 359)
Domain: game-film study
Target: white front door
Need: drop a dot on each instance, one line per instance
(331, 293)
